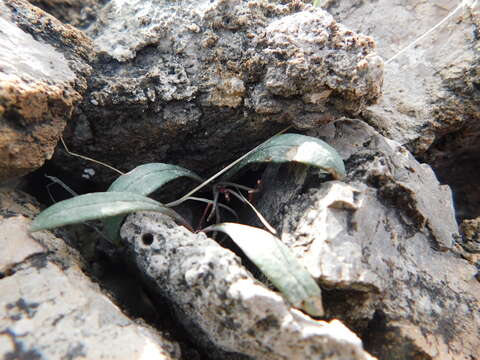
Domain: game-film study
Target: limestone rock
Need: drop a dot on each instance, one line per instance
(175, 80)
(382, 242)
(50, 309)
(430, 98)
(221, 304)
(40, 84)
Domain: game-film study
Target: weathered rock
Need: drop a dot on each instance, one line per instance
(23, 246)
(221, 304)
(50, 309)
(471, 235)
(382, 241)
(197, 83)
(41, 81)
(14, 203)
(430, 99)
(78, 13)
(416, 112)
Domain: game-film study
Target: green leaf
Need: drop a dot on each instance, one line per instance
(145, 179)
(278, 264)
(298, 148)
(317, 3)
(97, 206)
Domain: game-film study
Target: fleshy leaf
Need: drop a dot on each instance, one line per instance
(97, 206)
(298, 148)
(277, 263)
(143, 180)
(147, 178)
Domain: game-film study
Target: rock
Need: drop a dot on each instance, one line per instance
(430, 98)
(52, 310)
(408, 106)
(41, 81)
(23, 246)
(382, 242)
(471, 235)
(197, 75)
(223, 307)
(13, 203)
(78, 13)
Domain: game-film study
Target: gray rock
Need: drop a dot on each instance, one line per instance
(382, 241)
(51, 310)
(221, 304)
(195, 83)
(430, 97)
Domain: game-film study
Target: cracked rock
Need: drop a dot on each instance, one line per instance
(40, 84)
(382, 242)
(430, 95)
(174, 80)
(223, 307)
(51, 310)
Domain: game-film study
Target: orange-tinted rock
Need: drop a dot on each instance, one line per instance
(39, 85)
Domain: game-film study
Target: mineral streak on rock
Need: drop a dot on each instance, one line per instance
(240, 70)
(221, 304)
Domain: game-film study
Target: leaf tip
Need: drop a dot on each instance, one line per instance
(313, 306)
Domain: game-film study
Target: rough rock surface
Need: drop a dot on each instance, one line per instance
(51, 310)
(221, 304)
(41, 81)
(430, 97)
(471, 235)
(78, 13)
(196, 83)
(382, 241)
(200, 82)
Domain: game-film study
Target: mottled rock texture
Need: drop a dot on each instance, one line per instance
(196, 83)
(430, 98)
(51, 310)
(42, 77)
(382, 242)
(78, 13)
(222, 306)
(471, 235)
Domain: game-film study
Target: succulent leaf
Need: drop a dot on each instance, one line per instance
(277, 263)
(147, 178)
(298, 148)
(97, 206)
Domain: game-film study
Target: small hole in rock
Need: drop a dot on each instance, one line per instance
(147, 239)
